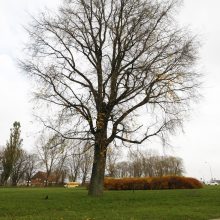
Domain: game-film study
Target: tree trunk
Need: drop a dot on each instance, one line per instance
(75, 176)
(83, 179)
(98, 170)
(14, 181)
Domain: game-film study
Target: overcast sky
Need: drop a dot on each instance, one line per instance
(199, 145)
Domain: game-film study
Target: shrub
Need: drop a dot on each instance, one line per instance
(127, 184)
(166, 182)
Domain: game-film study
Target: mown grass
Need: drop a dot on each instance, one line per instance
(74, 204)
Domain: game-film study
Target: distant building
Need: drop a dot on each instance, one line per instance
(40, 179)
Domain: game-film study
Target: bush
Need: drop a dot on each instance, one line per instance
(166, 182)
(127, 184)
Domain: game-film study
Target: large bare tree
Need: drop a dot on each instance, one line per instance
(103, 63)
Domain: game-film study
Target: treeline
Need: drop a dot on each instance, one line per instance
(64, 159)
(144, 164)
(59, 159)
(16, 163)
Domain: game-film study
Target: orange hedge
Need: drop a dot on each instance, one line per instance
(166, 182)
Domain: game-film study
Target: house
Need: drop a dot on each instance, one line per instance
(40, 179)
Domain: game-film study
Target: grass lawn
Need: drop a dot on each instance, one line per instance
(29, 203)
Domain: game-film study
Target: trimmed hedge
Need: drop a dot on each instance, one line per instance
(152, 183)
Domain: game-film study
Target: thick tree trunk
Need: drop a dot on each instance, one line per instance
(98, 170)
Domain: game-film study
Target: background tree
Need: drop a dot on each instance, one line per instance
(1, 167)
(136, 166)
(123, 169)
(12, 153)
(61, 168)
(112, 158)
(50, 148)
(103, 63)
(19, 167)
(79, 162)
(149, 159)
(149, 164)
(74, 161)
(32, 166)
(168, 165)
(86, 163)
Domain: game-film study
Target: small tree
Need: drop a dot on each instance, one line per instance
(74, 161)
(123, 169)
(12, 153)
(135, 159)
(60, 170)
(50, 149)
(111, 161)
(32, 165)
(86, 163)
(80, 161)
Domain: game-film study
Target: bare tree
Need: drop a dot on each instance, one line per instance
(135, 160)
(1, 160)
(32, 165)
(50, 149)
(149, 159)
(168, 165)
(176, 165)
(86, 163)
(79, 161)
(112, 158)
(74, 162)
(60, 170)
(123, 169)
(102, 63)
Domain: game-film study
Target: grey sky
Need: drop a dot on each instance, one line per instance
(199, 146)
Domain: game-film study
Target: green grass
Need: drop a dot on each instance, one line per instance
(29, 203)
